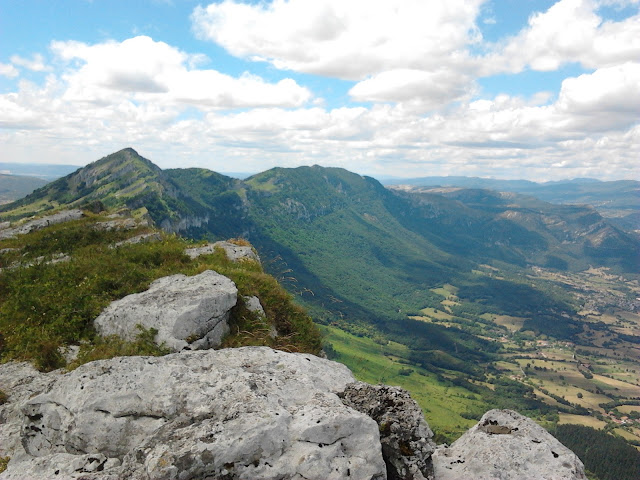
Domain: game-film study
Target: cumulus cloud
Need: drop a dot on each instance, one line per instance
(348, 40)
(428, 89)
(569, 31)
(142, 69)
(413, 61)
(8, 70)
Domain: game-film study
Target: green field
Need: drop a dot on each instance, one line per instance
(374, 363)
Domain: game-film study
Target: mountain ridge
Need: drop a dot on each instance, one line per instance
(446, 285)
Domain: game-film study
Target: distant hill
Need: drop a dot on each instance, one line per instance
(38, 170)
(13, 187)
(618, 200)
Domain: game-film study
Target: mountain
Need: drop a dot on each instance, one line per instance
(355, 248)
(13, 187)
(537, 232)
(617, 200)
(502, 298)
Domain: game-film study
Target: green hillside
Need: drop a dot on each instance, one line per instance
(469, 298)
(367, 258)
(13, 187)
(55, 281)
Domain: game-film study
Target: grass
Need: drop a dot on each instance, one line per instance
(442, 404)
(628, 408)
(587, 421)
(513, 324)
(4, 462)
(46, 307)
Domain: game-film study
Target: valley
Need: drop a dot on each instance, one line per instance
(471, 299)
(592, 379)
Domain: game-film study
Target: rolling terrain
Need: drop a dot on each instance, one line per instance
(618, 200)
(13, 187)
(466, 296)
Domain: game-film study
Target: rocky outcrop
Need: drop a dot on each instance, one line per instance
(39, 223)
(234, 252)
(127, 223)
(404, 433)
(505, 445)
(246, 413)
(188, 312)
(142, 238)
(21, 381)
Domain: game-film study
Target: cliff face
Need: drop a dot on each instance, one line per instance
(246, 413)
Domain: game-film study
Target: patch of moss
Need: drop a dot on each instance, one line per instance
(4, 462)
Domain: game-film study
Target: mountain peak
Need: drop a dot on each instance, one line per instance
(121, 178)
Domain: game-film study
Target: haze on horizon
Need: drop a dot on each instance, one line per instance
(543, 90)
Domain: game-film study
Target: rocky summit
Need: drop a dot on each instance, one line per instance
(247, 413)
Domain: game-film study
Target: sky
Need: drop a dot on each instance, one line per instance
(532, 89)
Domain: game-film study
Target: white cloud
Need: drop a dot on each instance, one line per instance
(427, 90)
(8, 70)
(569, 31)
(141, 69)
(348, 40)
(412, 64)
(36, 64)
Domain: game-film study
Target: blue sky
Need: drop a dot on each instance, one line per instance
(532, 89)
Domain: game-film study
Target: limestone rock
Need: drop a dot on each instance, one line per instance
(188, 312)
(404, 433)
(39, 223)
(505, 445)
(246, 413)
(143, 238)
(253, 305)
(116, 224)
(20, 381)
(234, 252)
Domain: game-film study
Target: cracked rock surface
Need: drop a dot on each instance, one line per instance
(246, 413)
(404, 433)
(505, 445)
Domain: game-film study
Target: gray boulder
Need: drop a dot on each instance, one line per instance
(188, 312)
(247, 413)
(234, 252)
(404, 433)
(505, 445)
